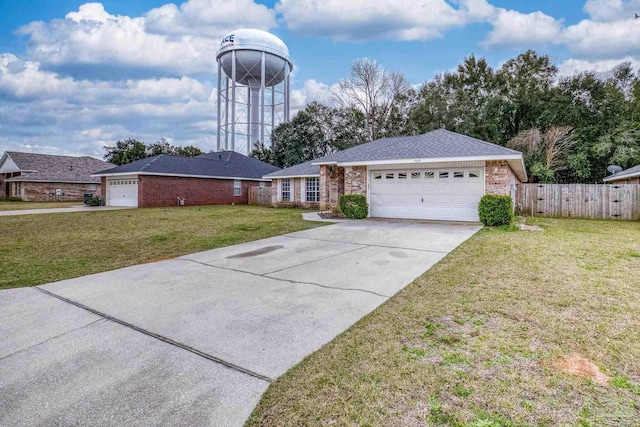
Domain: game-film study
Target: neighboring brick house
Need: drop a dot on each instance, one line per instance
(627, 176)
(221, 178)
(440, 175)
(43, 177)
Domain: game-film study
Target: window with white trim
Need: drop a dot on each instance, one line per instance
(93, 187)
(285, 190)
(402, 175)
(458, 174)
(415, 175)
(429, 175)
(443, 175)
(474, 174)
(237, 187)
(312, 189)
(377, 175)
(389, 176)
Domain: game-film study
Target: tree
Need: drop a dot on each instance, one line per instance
(126, 151)
(374, 91)
(130, 150)
(314, 132)
(545, 153)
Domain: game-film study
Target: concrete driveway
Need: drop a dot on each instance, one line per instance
(196, 340)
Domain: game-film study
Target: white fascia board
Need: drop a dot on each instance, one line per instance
(429, 160)
(292, 176)
(7, 165)
(332, 163)
(621, 176)
(121, 174)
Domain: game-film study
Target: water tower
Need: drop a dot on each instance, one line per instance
(253, 88)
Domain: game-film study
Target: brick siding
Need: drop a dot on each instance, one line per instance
(355, 180)
(635, 180)
(499, 177)
(331, 186)
(164, 191)
(46, 191)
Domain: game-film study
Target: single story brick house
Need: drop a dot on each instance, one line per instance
(216, 178)
(439, 175)
(43, 177)
(627, 176)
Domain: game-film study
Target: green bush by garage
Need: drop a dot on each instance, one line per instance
(495, 210)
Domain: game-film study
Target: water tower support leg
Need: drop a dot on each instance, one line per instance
(262, 89)
(219, 103)
(233, 100)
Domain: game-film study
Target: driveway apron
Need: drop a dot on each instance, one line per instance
(196, 340)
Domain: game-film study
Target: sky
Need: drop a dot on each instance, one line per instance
(76, 76)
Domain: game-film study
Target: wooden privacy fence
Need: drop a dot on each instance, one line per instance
(592, 201)
(260, 196)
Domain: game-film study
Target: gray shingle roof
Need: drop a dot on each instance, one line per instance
(302, 169)
(439, 143)
(627, 173)
(227, 164)
(50, 168)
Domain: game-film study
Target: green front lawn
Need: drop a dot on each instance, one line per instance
(485, 338)
(18, 206)
(38, 249)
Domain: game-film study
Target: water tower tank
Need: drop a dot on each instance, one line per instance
(253, 88)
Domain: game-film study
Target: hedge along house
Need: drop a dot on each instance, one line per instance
(217, 178)
(439, 175)
(43, 177)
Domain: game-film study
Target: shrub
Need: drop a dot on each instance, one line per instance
(495, 210)
(13, 199)
(93, 201)
(353, 206)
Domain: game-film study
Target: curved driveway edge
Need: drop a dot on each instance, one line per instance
(200, 337)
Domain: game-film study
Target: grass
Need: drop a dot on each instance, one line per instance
(18, 206)
(38, 249)
(476, 340)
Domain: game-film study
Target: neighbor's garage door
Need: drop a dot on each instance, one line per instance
(122, 192)
(439, 194)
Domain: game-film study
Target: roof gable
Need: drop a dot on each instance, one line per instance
(225, 164)
(436, 146)
(51, 168)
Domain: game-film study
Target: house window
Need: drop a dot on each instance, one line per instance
(237, 187)
(16, 189)
(458, 174)
(474, 174)
(389, 176)
(285, 190)
(443, 175)
(402, 175)
(377, 175)
(415, 175)
(93, 187)
(313, 189)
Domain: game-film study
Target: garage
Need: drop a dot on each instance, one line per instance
(122, 192)
(433, 194)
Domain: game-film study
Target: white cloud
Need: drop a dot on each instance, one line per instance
(41, 109)
(168, 40)
(592, 39)
(213, 18)
(512, 29)
(312, 90)
(611, 10)
(383, 19)
(573, 66)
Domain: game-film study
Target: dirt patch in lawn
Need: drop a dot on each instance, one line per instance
(577, 365)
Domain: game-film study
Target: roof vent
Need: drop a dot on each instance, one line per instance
(614, 169)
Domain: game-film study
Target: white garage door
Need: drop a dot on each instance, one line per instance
(122, 192)
(439, 194)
